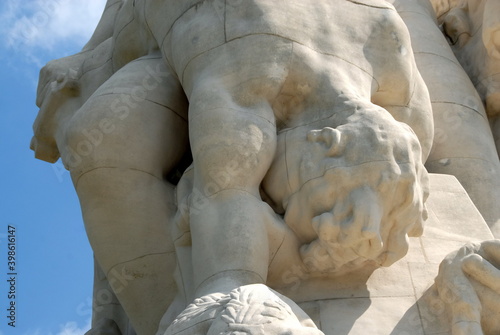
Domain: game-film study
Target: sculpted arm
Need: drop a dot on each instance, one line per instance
(402, 90)
(60, 88)
(105, 27)
(60, 67)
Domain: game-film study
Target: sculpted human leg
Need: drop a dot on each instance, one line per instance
(108, 316)
(463, 143)
(232, 146)
(119, 147)
(237, 143)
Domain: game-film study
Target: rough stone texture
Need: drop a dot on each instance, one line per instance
(307, 125)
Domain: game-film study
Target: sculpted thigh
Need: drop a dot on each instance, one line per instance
(136, 120)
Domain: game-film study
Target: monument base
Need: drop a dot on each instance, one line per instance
(400, 299)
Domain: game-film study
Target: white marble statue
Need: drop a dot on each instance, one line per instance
(308, 123)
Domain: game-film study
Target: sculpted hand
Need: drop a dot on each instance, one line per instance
(351, 231)
(378, 187)
(57, 86)
(469, 284)
(64, 83)
(58, 75)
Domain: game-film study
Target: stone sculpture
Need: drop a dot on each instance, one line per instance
(473, 31)
(308, 130)
(463, 145)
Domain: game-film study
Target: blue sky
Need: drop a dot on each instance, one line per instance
(53, 258)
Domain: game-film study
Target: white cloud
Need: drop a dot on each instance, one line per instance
(71, 328)
(41, 25)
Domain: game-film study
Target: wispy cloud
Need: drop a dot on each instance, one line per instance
(69, 328)
(29, 27)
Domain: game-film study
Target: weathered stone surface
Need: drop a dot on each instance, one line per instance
(306, 126)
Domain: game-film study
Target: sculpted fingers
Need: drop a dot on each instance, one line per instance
(67, 81)
(326, 227)
(369, 217)
(420, 193)
(364, 221)
(50, 75)
(315, 256)
(326, 253)
(464, 304)
(482, 271)
(469, 283)
(403, 219)
(456, 290)
(491, 251)
(370, 230)
(370, 248)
